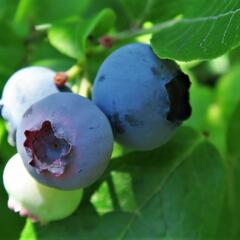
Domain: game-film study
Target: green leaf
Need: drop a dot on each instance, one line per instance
(101, 199)
(135, 9)
(11, 223)
(51, 11)
(64, 37)
(24, 10)
(7, 9)
(234, 56)
(28, 232)
(71, 37)
(230, 216)
(205, 29)
(219, 113)
(216, 128)
(152, 10)
(57, 64)
(44, 54)
(115, 193)
(11, 49)
(177, 205)
(233, 133)
(228, 92)
(9, 151)
(94, 7)
(170, 196)
(229, 220)
(199, 93)
(79, 225)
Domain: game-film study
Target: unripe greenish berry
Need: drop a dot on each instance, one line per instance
(34, 200)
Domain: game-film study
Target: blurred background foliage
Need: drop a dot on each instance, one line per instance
(187, 188)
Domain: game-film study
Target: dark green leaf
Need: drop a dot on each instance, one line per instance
(155, 11)
(8, 8)
(174, 200)
(234, 56)
(50, 11)
(11, 49)
(230, 215)
(11, 223)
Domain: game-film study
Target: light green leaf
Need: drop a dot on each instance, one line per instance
(71, 37)
(101, 199)
(64, 37)
(216, 128)
(94, 7)
(228, 91)
(28, 232)
(233, 133)
(219, 113)
(24, 10)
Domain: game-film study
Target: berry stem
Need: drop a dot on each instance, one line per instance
(61, 78)
(73, 72)
(113, 193)
(43, 27)
(127, 34)
(143, 31)
(84, 87)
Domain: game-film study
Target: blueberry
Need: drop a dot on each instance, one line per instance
(144, 97)
(25, 87)
(34, 200)
(65, 141)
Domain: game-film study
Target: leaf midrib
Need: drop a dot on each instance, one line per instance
(179, 161)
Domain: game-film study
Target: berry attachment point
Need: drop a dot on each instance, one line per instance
(106, 41)
(60, 79)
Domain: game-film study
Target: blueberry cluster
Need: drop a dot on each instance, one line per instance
(65, 141)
